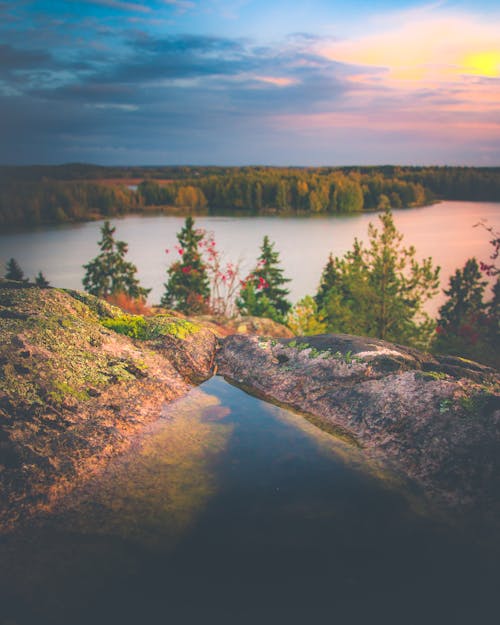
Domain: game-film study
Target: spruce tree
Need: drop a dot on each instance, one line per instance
(262, 294)
(14, 271)
(328, 280)
(465, 298)
(41, 281)
(109, 273)
(187, 288)
(467, 325)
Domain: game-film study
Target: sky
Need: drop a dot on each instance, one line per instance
(242, 82)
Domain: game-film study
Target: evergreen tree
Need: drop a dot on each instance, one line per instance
(109, 273)
(467, 325)
(262, 294)
(14, 271)
(465, 298)
(379, 290)
(41, 281)
(187, 288)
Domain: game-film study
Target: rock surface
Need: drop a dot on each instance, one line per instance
(74, 392)
(436, 419)
(244, 325)
(79, 378)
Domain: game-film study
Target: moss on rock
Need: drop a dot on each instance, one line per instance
(73, 391)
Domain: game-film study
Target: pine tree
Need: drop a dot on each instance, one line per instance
(14, 271)
(109, 273)
(41, 281)
(328, 280)
(465, 298)
(467, 325)
(380, 290)
(262, 294)
(187, 288)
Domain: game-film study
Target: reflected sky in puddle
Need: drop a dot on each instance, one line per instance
(229, 507)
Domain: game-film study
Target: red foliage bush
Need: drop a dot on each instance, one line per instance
(134, 306)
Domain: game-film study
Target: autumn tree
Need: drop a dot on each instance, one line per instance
(109, 273)
(190, 197)
(187, 287)
(262, 293)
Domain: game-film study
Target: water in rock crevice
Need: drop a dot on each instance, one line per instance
(229, 509)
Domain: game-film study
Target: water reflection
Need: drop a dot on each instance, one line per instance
(444, 231)
(232, 510)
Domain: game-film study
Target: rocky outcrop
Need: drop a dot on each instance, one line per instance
(244, 325)
(79, 378)
(436, 419)
(75, 388)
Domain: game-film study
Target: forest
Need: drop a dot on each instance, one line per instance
(79, 192)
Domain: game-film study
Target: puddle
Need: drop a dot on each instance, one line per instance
(231, 509)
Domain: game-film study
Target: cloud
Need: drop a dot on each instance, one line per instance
(277, 81)
(181, 5)
(114, 106)
(121, 5)
(12, 59)
(430, 45)
(194, 98)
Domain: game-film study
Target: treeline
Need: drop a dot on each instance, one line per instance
(53, 201)
(43, 194)
(376, 289)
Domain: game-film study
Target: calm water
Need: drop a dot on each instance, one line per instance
(229, 510)
(444, 231)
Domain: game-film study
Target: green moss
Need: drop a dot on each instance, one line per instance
(61, 336)
(149, 328)
(18, 387)
(120, 372)
(99, 307)
(347, 357)
(129, 325)
(62, 390)
(432, 375)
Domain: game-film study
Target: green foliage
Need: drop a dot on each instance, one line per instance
(304, 318)
(379, 290)
(187, 288)
(74, 192)
(348, 196)
(14, 271)
(41, 281)
(149, 328)
(465, 297)
(262, 294)
(109, 273)
(467, 324)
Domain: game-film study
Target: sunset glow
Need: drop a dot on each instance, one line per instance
(235, 83)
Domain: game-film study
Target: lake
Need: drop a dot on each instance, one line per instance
(444, 231)
(231, 510)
